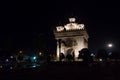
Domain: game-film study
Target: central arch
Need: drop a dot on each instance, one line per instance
(70, 54)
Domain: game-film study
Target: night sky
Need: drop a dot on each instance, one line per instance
(29, 25)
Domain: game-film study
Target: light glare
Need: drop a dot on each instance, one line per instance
(110, 45)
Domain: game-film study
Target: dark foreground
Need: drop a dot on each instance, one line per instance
(65, 71)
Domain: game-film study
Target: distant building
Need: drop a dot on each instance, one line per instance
(71, 38)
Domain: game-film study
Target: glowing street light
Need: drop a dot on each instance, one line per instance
(34, 57)
(20, 51)
(40, 53)
(110, 45)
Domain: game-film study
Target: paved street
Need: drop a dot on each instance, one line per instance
(65, 71)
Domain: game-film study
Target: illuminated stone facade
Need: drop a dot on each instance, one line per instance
(71, 37)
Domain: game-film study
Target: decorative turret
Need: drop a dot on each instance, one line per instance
(71, 26)
(72, 20)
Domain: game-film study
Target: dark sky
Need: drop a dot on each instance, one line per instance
(24, 22)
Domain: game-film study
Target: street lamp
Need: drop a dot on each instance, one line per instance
(110, 45)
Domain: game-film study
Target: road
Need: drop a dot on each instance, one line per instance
(65, 71)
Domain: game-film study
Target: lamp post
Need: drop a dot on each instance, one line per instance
(109, 46)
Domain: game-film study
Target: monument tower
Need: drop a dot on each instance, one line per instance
(71, 38)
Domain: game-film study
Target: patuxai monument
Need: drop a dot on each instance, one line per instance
(71, 38)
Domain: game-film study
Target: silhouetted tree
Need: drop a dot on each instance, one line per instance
(62, 56)
(102, 54)
(69, 57)
(20, 57)
(28, 60)
(48, 58)
(73, 55)
(114, 55)
(70, 54)
(85, 54)
(80, 55)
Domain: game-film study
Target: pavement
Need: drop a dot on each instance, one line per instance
(66, 71)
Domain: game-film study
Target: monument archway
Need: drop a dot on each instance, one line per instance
(73, 36)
